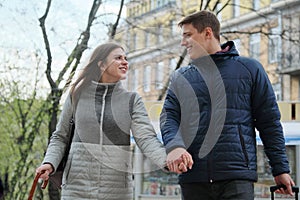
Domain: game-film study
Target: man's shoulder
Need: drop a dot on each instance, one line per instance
(184, 69)
(249, 63)
(247, 60)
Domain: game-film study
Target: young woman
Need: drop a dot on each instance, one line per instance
(99, 165)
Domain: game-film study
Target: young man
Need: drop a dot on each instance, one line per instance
(210, 113)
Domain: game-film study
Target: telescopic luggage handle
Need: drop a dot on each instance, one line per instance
(295, 189)
(37, 176)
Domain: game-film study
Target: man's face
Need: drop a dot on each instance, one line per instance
(194, 41)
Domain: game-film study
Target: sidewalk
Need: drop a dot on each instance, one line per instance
(149, 197)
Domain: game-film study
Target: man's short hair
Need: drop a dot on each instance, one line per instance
(202, 19)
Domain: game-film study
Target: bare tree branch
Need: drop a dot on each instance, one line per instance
(114, 27)
(47, 45)
(81, 46)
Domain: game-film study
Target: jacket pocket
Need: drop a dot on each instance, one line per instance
(243, 146)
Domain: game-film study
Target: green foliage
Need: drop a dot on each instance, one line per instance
(24, 137)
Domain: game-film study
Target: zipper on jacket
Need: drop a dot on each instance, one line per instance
(209, 166)
(243, 146)
(102, 116)
(125, 175)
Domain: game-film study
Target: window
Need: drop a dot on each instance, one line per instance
(172, 65)
(298, 45)
(134, 42)
(173, 26)
(145, 7)
(147, 78)
(255, 4)
(135, 80)
(147, 39)
(237, 43)
(159, 3)
(159, 76)
(298, 90)
(273, 49)
(159, 34)
(152, 3)
(158, 182)
(219, 15)
(236, 8)
(254, 50)
(277, 91)
(128, 38)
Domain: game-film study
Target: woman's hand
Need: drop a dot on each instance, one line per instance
(179, 160)
(45, 170)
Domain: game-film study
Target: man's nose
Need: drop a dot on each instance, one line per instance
(183, 42)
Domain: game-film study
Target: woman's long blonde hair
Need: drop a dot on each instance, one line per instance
(92, 72)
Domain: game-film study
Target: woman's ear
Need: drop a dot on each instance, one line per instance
(101, 66)
(99, 63)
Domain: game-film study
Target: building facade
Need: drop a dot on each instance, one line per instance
(267, 30)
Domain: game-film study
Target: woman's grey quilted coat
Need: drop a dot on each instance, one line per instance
(100, 160)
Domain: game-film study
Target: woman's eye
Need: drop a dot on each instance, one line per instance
(121, 58)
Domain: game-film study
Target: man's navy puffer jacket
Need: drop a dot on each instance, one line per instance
(212, 109)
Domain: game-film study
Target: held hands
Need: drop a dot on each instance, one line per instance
(47, 169)
(179, 160)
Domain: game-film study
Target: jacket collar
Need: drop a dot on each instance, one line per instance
(109, 86)
(228, 49)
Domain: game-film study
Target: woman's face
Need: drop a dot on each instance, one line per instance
(115, 68)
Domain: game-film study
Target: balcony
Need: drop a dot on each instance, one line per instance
(293, 70)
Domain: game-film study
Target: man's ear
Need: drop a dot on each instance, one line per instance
(208, 32)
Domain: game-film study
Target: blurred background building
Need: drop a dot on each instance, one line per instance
(267, 30)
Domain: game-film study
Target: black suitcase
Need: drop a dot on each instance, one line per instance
(276, 187)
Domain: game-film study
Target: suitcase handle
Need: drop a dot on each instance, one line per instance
(37, 176)
(295, 189)
(276, 187)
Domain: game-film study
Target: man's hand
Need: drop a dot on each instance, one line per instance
(286, 180)
(179, 160)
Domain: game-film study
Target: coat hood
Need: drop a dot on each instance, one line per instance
(228, 49)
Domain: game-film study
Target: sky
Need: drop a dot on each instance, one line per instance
(21, 35)
(20, 26)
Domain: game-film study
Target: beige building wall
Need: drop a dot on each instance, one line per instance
(158, 26)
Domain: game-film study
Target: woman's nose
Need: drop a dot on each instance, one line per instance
(125, 61)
